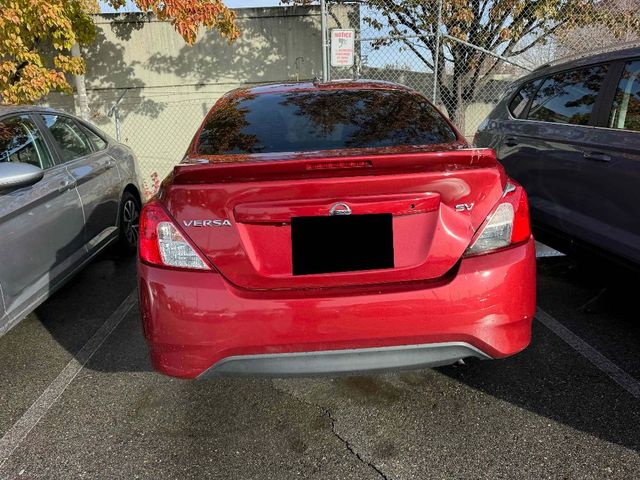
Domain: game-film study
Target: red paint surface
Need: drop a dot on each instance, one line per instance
(251, 303)
(192, 320)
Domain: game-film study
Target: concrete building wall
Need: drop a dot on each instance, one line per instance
(165, 87)
(169, 86)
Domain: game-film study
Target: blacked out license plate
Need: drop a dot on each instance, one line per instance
(341, 243)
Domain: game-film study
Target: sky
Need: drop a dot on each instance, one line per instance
(130, 7)
(251, 3)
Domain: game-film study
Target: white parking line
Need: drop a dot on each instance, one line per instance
(543, 251)
(17, 433)
(614, 372)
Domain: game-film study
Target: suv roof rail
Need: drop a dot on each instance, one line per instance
(590, 53)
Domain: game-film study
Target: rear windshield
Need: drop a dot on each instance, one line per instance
(307, 121)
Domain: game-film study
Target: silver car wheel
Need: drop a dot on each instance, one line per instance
(131, 221)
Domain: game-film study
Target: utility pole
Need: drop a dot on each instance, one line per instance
(82, 102)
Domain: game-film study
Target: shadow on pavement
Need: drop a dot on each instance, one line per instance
(80, 308)
(548, 378)
(597, 302)
(551, 380)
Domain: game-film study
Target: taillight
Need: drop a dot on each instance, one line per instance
(507, 225)
(162, 243)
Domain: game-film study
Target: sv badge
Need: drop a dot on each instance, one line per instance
(464, 207)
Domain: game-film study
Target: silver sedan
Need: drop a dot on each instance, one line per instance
(67, 191)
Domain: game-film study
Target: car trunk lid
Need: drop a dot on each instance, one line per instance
(335, 221)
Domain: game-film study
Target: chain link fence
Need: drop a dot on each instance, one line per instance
(460, 54)
(463, 54)
(159, 138)
(157, 128)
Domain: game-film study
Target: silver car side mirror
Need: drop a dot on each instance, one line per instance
(16, 175)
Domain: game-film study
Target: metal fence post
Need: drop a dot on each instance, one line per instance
(117, 120)
(323, 27)
(436, 60)
(114, 112)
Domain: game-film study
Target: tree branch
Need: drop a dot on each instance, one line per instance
(15, 78)
(535, 41)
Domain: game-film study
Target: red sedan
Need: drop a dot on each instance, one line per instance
(333, 228)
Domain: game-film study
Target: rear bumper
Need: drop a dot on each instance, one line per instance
(345, 361)
(199, 325)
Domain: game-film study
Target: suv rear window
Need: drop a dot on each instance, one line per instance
(625, 112)
(568, 97)
(520, 99)
(311, 120)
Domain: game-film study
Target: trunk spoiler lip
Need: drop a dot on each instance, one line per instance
(193, 157)
(326, 164)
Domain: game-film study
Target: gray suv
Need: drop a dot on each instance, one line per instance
(570, 134)
(67, 191)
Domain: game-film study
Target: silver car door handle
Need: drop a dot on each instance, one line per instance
(511, 141)
(597, 156)
(66, 185)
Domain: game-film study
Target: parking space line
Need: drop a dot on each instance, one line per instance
(18, 432)
(544, 251)
(614, 372)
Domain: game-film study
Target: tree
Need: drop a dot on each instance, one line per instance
(505, 27)
(36, 37)
(612, 30)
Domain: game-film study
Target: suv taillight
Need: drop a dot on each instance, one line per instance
(508, 224)
(162, 243)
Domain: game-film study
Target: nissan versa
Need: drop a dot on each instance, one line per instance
(333, 228)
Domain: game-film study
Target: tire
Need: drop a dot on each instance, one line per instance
(129, 224)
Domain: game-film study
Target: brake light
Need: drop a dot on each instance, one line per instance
(507, 225)
(521, 222)
(162, 243)
(339, 165)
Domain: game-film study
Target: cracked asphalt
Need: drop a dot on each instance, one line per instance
(545, 413)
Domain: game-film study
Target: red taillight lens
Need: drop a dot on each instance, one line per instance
(507, 225)
(149, 249)
(162, 243)
(521, 223)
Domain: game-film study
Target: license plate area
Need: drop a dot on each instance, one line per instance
(341, 243)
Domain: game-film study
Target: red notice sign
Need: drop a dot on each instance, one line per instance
(342, 46)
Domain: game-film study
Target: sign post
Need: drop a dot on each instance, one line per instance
(342, 47)
(325, 45)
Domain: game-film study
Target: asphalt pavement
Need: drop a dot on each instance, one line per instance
(78, 399)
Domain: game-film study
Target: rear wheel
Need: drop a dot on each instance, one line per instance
(129, 224)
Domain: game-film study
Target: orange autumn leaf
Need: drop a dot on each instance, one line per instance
(28, 28)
